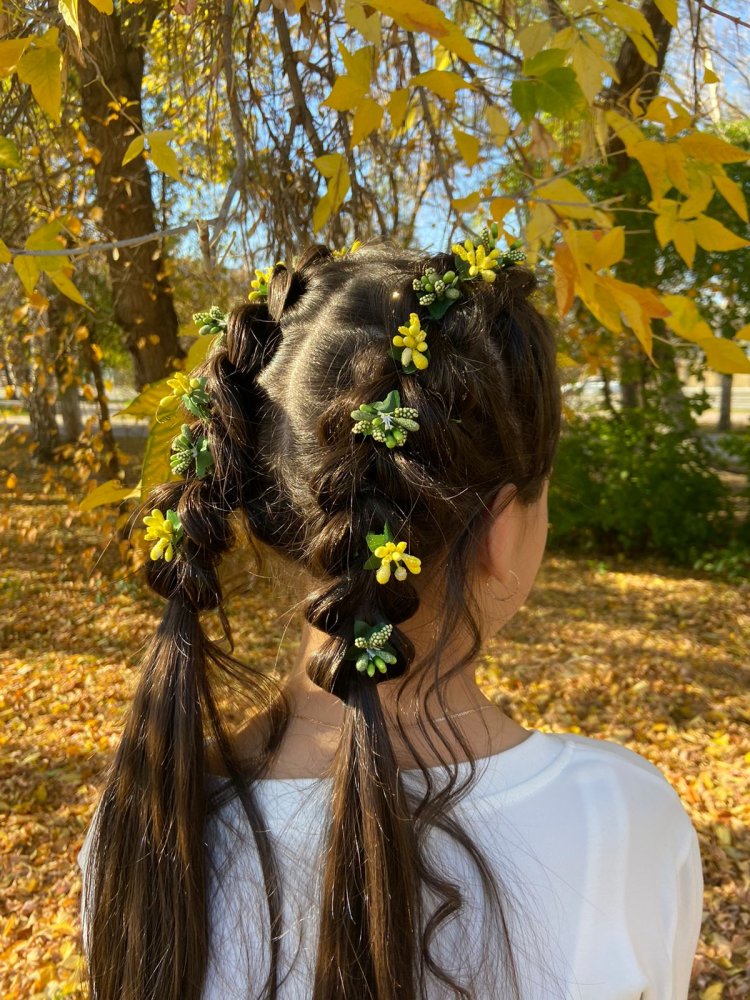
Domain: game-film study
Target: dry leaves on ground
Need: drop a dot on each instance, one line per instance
(638, 654)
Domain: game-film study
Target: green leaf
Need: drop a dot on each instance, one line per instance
(372, 563)
(524, 99)
(374, 541)
(544, 61)
(559, 94)
(9, 158)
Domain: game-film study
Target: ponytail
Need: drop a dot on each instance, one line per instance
(369, 917)
(148, 861)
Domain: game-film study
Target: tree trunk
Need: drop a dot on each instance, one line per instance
(725, 404)
(113, 67)
(66, 365)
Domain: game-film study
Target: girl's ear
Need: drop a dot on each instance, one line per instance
(504, 534)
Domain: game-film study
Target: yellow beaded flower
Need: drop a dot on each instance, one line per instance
(165, 530)
(386, 550)
(395, 552)
(413, 341)
(188, 391)
(345, 251)
(259, 285)
(482, 262)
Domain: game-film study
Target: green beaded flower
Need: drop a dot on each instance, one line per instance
(214, 321)
(187, 452)
(386, 550)
(165, 530)
(190, 392)
(437, 292)
(387, 420)
(486, 259)
(371, 650)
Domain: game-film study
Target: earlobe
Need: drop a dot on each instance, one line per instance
(501, 538)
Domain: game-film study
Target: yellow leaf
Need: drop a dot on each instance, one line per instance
(197, 353)
(732, 193)
(368, 27)
(498, 125)
(397, 105)
(709, 76)
(468, 204)
(713, 992)
(652, 158)
(28, 271)
(113, 491)
(566, 198)
(675, 162)
(333, 167)
(468, 146)
(684, 241)
(743, 333)
(359, 65)
(701, 193)
(367, 119)
(346, 94)
(11, 50)
(533, 37)
(164, 157)
(103, 6)
(685, 319)
(541, 225)
(711, 235)
(725, 356)
(146, 403)
(444, 83)
(11, 482)
(499, 208)
(5, 254)
(134, 149)
(67, 287)
(156, 467)
(611, 247)
(628, 132)
(668, 9)
(69, 11)
(41, 66)
(565, 278)
(629, 18)
(416, 15)
(711, 149)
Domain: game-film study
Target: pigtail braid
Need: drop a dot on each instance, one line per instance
(147, 883)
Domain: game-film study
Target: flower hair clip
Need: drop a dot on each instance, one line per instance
(387, 420)
(410, 346)
(371, 649)
(188, 451)
(385, 550)
(213, 322)
(188, 391)
(259, 284)
(165, 530)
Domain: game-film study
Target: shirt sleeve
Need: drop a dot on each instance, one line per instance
(689, 917)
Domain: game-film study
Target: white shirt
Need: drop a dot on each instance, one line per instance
(598, 859)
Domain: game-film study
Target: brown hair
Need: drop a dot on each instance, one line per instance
(282, 385)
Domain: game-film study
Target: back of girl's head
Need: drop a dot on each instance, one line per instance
(283, 384)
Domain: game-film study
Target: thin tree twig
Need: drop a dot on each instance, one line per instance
(730, 17)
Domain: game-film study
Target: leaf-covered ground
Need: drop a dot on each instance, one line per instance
(639, 654)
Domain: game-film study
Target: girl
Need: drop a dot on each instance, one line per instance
(381, 426)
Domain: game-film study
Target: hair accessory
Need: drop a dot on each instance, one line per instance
(438, 292)
(190, 392)
(187, 451)
(386, 551)
(485, 260)
(411, 347)
(212, 322)
(259, 285)
(345, 251)
(371, 649)
(165, 530)
(387, 420)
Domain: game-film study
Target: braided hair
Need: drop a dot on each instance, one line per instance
(289, 475)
